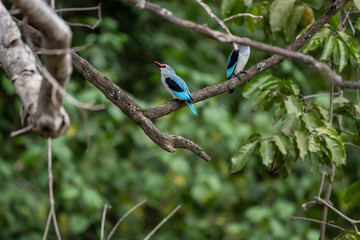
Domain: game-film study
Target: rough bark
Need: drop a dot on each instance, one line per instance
(52, 119)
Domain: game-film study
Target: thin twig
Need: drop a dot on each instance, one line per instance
(241, 15)
(103, 222)
(351, 144)
(21, 131)
(221, 23)
(92, 27)
(47, 226)
(325, 203)
(44, 51)
(327, 198)
(321, 185)
(123, 217)
(62, 91)
(346, 131)
(318, 221)
(319, 95)
(51, 191)
(162, 223)
(78, 9)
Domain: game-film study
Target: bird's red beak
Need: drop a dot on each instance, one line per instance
(158, 64)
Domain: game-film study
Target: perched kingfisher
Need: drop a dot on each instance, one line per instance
(237, 61)
(175, 85)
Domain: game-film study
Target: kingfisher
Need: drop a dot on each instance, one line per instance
(175, 85)
(237, 61)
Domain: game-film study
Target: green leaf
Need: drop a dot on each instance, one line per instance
(343, 54)
(334, 22)
(357, 25)
(254, 137)
(329, 47)
(295, 89)
(267, 153)
(293, 21)
(347, 111)
(254, 85)
(333, 143)
(324, 112)
(340, 100)
(241, 156)
(311, 121)
(352, 195)
(78, 223)
(302, 143)
(279, 113)
(314, 161)
(280, 11)
(356, 138)
(280, 144)
(307, 17)
(257, 214)
(259, 98)
(317, 40)
(314, 144)
(289, 124)
(354, 51)
(293, 105)
(357, 4)
(336, 148)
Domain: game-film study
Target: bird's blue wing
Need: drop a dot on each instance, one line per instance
(178, 86)
(231, 63)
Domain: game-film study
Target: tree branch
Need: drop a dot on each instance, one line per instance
(288, 52)
(162, 222)
(241, 15)
(126, 104)
(143, 116)
(317, 221)
(51, 118)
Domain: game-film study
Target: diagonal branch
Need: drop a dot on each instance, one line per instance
(126, 104)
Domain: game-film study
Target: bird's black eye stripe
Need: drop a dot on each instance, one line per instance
(173, 85)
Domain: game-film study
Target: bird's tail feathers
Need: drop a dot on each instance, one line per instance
(192, 107)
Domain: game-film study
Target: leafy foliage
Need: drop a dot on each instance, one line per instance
(302, 122)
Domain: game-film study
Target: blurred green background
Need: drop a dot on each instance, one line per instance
(105, 158)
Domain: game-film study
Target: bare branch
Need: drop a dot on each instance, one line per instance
(241, 15)
(320, 95)
(103, 222)
(126, 104)
(325, 203)
(123, 217)
(351, 144)
(318, 221)
(51, 115)
(221, 23)
(333, 168)
(51, 197)
(21, 131)
(92, 27)
(162, 223)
